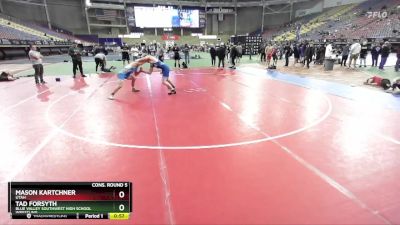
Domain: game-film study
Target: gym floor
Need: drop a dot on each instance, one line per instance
(245, 146)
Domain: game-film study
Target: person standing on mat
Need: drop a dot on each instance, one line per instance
(154, 62)
(130, 72)
(213, 54)
(76, 56)
(36, 59)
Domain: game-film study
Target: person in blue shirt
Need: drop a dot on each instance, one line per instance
(130, 72)
(154, 62)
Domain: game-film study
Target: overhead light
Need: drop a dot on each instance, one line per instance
(88, 3)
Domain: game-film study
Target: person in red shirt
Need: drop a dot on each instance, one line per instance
(378, 81)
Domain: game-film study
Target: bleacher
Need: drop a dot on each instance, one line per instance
(348, 21)
(7, 32)
(7, 22)
(14, 28)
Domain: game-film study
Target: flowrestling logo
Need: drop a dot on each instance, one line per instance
(378, 14)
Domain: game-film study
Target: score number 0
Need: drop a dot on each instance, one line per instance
(121, 194)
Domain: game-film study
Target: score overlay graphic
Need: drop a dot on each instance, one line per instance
(70, 200)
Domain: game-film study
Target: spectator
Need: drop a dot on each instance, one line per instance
(261, 50)
(153, 49)
(397, 66)
(355, 50)
(160, 53)
(239, 49)
(345, 54)
(36, 59)
(309, 54)
(135, 52)
(288, 52)
(268, 52)
(375, 51)
(177, 57)
(76, 54)
(302, 53)
(213, 54)
(185, 51)
(296, 54)
(96, 49)
(233, 55)
(384, 55)
(275, 50)
(125, 54)
(363, 54)
(281, 50)
(329, 51)
(221, 51)
(321, 54)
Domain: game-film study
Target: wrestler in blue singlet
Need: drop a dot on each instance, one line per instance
(126, 72)
(164, 68)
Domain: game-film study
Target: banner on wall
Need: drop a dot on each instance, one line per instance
(166, 37)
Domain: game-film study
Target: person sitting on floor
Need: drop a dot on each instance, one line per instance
(378, 81)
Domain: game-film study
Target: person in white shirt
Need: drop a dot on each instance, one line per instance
(329, 51)
(36, 58)
(135, 52)
(355, 50)
(100, 59)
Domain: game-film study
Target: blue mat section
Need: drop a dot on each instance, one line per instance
(354, 93)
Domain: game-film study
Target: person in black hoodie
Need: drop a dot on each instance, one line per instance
(397, 66)
(213, 54)
(375, 51)
(261, 50)
(233, 55)
(345, 54)
(221, 51)
(384, 55)
(308, 54)
(76, 55)
(296, 54)
(177, 57)
(288, 51)
(363, 54)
